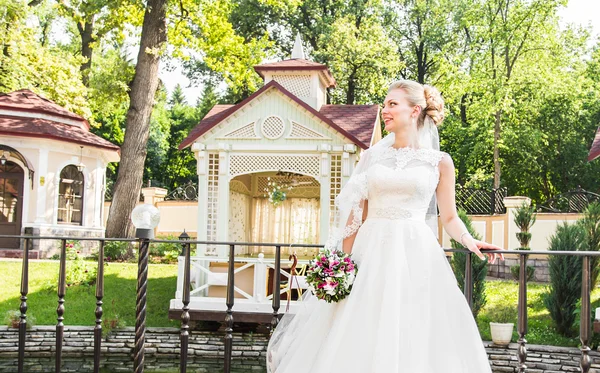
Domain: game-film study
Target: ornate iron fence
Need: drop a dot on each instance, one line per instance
(185, 192)
(574, 201)
(142, 281)
(481, 201)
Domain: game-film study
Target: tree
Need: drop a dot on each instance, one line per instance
(353, 48)
(565, 277)
(226, 55)
(94, 19)
(143, 91)
(177, 97)
(26, 64)
(507, 37)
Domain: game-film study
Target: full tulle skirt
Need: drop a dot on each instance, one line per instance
(405, 313)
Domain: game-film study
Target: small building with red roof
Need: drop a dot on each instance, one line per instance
(285, 134)
(269, 169)
(52, 172)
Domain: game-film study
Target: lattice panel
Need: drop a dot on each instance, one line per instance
(240, 187)
(244, 132)
(312, 190)
(212, 203)
(298, 85)
(335, 173)
(262, 181)
(246, 164)
(301, 132)
(273, 127)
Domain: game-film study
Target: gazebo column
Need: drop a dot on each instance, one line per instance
(201, 171)
(41, 208)
(325, 181)
(348, 159)
(99, 172)
(223, 198)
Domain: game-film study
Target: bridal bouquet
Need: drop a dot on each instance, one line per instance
(331, 274)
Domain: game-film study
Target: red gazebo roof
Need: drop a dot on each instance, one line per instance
(25, 113)
(356, 122)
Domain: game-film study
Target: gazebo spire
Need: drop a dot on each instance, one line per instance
(298, 51)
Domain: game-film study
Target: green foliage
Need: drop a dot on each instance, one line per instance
(161, 248)
(565, 277)
(525, 217)
(479, 268)
(12, 318)
(116, 250)
(590, 223)
(26, 64)
(515, 272)
(503, 313)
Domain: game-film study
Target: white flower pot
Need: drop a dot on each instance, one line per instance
(501, 332)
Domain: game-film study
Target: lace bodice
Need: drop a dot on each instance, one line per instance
(401, 183)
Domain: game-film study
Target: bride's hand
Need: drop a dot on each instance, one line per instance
(476, 246)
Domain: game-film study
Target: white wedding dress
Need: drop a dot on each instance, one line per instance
(405, 313)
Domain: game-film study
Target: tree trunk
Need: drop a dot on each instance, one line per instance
(87, 38)
(133, 152)
(496, 149)
(350, 93)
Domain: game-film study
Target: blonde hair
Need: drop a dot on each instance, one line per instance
(426, 96)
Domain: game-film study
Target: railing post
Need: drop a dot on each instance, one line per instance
(185, 315)
(522, 313)
(60, 310)
(98, 312)
(468, 291)
(229, 316)
(140, 309)
(23, 307)
(492, 201)
(584, 331)
(276, 286)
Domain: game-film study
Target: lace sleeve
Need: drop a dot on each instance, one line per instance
(349, 205)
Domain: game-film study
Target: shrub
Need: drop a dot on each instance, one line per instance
(525, 217)
(503, 313)
(565, 277)
(479, 268)
(116, 250)
(514, 270)
(590, 224)
(12, 318)
(160, 248)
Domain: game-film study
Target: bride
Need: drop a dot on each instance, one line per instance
(405, 312)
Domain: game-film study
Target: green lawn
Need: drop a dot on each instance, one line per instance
(80, 301)
(120, 287)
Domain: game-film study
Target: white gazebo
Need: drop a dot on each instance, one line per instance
(52, 173)
(286, 135)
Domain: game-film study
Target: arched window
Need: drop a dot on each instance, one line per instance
(70, 196)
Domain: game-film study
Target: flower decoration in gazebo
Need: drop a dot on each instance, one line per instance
(276, 192)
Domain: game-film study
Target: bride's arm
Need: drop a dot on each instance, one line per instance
(348, 242)
(455, 227)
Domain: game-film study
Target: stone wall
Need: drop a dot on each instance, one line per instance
(501, 269)
(206, 352)
(540, 359)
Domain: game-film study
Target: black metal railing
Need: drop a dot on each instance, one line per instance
(573, 201)
(481, 201)
(140, 327)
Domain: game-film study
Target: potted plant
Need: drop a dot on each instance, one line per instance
(502, 323)
(13, 318)
(525, 217)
